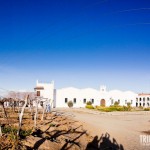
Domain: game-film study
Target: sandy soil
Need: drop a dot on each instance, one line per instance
(122, 128)
(80, 129)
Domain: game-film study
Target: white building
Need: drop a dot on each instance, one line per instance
(79, 97)
(143, 100)
(46, 90)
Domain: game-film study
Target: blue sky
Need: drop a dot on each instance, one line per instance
(81, 43)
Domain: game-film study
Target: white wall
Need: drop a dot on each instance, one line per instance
(47, 92)
(90, 93)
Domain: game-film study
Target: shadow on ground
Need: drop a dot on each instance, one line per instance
(104, 143)
(72, 137)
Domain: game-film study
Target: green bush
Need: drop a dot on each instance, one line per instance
(114, 108)
(116, 103)
(13, 131)
(89, 103)
(70, 104)
(9, 129)
(24, 133)
(52, 125)
(140, 107)
(146, 109)
(128, 104)
(89, 106)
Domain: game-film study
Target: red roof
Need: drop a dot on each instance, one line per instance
(144, 94)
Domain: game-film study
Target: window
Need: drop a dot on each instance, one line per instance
(148, 99)
(74, 100)
(66, 100)
(131, 101)
(38, 93)
(140, 99)
(41, 103)
(137, 99)
(119, 101)
(92, 100)
(125, 101)
(84, 100)
(144, 99)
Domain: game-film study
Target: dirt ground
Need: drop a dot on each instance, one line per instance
(58, 131)
(79, 129)
(120, 128)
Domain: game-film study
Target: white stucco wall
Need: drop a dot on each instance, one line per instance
(47, 91)
(58, 96)
(89, 93)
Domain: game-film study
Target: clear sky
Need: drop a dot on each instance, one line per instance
(81, 43)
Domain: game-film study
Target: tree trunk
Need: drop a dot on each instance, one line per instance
(43, 113)
(0, 131)
(21, 114)
(36, 113)
(3, 109)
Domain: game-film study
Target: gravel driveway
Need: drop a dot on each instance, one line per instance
(122, 128)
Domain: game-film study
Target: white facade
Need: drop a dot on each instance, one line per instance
(80, 97)
(46, 90)
(143, 100)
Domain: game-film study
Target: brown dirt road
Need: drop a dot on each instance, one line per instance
(122, 128)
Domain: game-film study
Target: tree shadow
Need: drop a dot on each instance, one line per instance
(52, 136)
(104, 143)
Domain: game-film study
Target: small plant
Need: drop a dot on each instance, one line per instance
(24, 133)
(140, 107)
(12, 132)
(116, 103)
(9, 129)
(146, 109)
(52, 125)
(129, 104)
(89, 103)
(70, 104)
(89, 106)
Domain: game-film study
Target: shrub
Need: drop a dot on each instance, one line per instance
(116, 103)
(114, 108)
(13, 132)
(9, 129)
(52, 125)
(129, 104)
(127, 108)
(70, 104)
(89, 106)
(89, 103)
(24, 133)
(146, 109)
(140, 107)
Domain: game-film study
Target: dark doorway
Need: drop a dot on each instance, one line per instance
(102, 102)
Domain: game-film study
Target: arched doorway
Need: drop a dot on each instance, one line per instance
(102, 102)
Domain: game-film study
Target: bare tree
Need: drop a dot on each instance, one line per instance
(3, 107)
(37, 100)
(22, 113)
